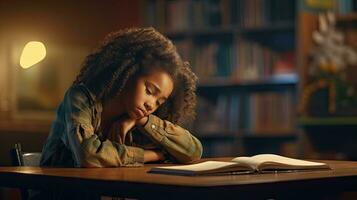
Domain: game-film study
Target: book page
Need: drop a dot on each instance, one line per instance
(247, 161)
(207, 167)
(204, 166)
(272, 161)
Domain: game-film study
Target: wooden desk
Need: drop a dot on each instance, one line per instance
(135, 182)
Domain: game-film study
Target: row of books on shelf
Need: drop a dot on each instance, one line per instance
(182, 15)
(240, 60)
(258, 113)
(346, 6)
(224, 148)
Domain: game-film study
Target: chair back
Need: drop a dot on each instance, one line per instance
(20, 158)
(31, 159)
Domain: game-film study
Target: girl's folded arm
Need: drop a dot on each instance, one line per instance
(177, 141)
(88, 149)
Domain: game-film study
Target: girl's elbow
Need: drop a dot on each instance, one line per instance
(88, 162)
(194, 156)
(91, 160)
(197, 155)
(190, 159)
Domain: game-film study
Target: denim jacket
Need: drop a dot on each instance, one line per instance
(75, 139)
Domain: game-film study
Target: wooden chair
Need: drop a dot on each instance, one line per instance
(20, 158)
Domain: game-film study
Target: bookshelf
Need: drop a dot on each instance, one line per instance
(271, 83)
(328, 135)
(330, 121)
(244, 55)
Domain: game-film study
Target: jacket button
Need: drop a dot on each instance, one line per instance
(153, 126)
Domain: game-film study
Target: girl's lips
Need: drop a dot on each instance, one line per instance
(139, 112)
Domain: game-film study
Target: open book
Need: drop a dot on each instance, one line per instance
(242, 165)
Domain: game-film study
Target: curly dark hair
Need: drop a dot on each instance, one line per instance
(130, 52)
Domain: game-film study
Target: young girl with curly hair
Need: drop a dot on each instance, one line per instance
(126, 106)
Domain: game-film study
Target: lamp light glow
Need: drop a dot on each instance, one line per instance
(32, 54)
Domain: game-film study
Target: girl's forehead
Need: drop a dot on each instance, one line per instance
(157, 74)
(160, 79)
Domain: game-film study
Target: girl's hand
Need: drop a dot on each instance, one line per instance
(142, 121)
(123, 126)
(153, 156)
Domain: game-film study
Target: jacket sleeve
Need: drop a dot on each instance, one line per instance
(177, 141)
(88, 149)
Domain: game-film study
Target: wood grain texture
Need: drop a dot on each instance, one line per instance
(136, 182)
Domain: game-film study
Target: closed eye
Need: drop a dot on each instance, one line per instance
(148, 91)
(159, 103)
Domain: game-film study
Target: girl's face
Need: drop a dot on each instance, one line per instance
(146, 93)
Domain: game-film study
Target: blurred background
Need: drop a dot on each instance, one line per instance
(275, 76)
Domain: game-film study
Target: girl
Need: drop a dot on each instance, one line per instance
(126, 106)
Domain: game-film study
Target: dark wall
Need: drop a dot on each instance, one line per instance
(31, 142)
(82, 21)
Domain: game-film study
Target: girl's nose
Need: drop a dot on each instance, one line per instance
(148, 106)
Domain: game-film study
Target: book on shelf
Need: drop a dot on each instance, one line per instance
(177, 15)
(265, 112)
(269, 112)
(345, 6)
(262, 163)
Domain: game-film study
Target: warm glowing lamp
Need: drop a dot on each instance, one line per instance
(33, 53)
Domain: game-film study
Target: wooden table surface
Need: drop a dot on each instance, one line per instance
(136, 182)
